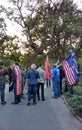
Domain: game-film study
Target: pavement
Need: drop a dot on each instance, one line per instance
(51, 114)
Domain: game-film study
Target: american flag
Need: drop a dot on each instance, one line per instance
(71, 69)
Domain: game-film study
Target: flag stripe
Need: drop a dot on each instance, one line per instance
(47, 68)
(69, 72)
(71, 69)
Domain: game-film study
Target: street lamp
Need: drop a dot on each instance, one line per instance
(71, 48)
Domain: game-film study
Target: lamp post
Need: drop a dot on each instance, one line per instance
(71, 48)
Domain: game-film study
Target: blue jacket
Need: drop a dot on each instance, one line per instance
(32, 77)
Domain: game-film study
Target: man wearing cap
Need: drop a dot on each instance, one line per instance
(16, 81)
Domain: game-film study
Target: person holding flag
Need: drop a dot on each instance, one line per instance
(62, 74)
(71, 69)
(16, 82)
(47, 72)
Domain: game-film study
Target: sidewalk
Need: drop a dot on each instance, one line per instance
(66, 119)
(51, 114)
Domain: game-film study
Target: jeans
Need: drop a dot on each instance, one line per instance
(56, 89)
(48, 83)
(15, 95)
(2, 89)
(32, 90)
(42, 90)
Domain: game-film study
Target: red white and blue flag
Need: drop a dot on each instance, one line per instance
(71, 69)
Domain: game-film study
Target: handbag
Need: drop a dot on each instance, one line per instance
(11, 87)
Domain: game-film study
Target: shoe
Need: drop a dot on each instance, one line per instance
(52, 97)
(19, 101)
(28, 103)
(13, 103)
(34, 103)
(23, 97)
(43, 99)
(38, 99)
(3, 103)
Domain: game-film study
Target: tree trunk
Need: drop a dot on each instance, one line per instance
(32, 58)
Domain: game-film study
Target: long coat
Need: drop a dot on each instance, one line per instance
(17, 79)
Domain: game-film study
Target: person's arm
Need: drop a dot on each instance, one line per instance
(6, 72)
(52, 74)
(13, 76)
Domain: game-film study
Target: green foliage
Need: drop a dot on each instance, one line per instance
(80, 58)
(75, 102)
(78, 88)
(42, 27)
(9, 50)
(80, 83)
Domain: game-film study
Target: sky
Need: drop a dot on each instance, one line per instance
(14, 29)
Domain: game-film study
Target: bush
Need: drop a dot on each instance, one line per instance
(78, 88)
(75, 99)
(75, 102)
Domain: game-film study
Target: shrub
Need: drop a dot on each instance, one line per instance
(78, 90)
(75, 102)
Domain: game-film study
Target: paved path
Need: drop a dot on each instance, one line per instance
(51, 114)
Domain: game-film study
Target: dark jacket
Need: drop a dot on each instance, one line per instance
(10, 75)
(32, 77)
(3, 72)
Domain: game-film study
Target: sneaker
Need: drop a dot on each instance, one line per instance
(53, 97)
(38, 99)
(28, 103)
(3, 103)
(13, 103)
(43, 99)
(34, 103)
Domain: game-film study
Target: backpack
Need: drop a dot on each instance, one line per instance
(2, 76)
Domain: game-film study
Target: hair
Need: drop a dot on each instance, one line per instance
(54, 65)
(16, 63)
(1, 62)
(39, 65)
(33, 66)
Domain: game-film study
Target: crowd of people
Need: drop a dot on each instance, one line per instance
(32, 78)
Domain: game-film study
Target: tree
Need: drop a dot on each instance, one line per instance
(2, 24)
(48, 26)
(9, 50)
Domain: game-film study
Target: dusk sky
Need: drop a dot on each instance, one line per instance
(14, 27)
